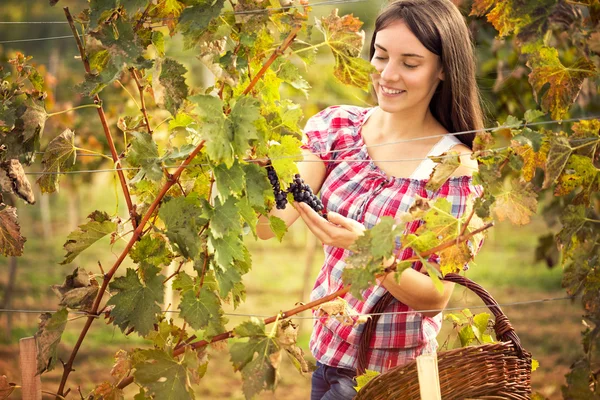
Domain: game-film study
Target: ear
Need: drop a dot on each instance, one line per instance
(441, 75)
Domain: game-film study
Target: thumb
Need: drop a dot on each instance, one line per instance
(347, 223)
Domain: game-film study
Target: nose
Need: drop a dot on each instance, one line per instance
(390, 72)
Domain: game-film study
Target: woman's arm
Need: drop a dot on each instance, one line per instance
(417, 291)
(313, 173)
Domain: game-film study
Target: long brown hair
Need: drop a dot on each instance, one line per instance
(441, 28)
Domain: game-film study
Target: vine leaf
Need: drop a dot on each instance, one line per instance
(344, 37)
(13, 180)
(446, 164)
(144, 154)
(136, 304)
(564, 82)
(48, 337)
(517, 202)
(257, 186)
(151, 253)
(225, 219)
(6, 387)
(362, 380)
(100, 9)
(284, 157)
(256, 358)
(558, 156)
(79, 290)
(532, 158)
(579, 172)
(123, 44)
(59, 156)
(172, 80)
(11, 241)
(230, 181)
(194, 20)
(226, 249)
(24, 139)
(573, 218)
(107, 391)
(87, 234)
(133, 6)
(214, 130)
(203, 311)
(163, 376)
(586, 133)
(183, 218)
(278, 227)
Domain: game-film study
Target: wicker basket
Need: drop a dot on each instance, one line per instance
(491, 371)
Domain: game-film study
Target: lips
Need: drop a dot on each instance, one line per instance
(391, 91)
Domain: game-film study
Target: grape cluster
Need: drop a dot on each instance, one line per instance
(304, 194)
(301, 191)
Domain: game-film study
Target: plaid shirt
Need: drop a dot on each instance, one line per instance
(363, 192)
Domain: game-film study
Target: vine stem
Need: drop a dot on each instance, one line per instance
(142, 101)
(98, 102)
(286, 314)
(68, 366)
(72, 109)
(286, 43)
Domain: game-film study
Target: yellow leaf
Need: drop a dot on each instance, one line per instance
(517, 203)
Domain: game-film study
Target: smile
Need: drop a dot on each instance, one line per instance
(391, 91)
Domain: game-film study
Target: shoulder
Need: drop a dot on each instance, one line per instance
(338, 116)
(468, 166)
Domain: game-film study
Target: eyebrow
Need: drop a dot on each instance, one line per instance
(404, 54)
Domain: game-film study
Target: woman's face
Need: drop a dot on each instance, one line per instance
(407, 73)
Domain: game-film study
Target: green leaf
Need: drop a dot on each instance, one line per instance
(226, 249)
(87, 234)
(531, 138)
(165, 377)
(194, 20)
(244, 114)
(362, 380)
(572, 218)
(11, 241)
(79, 290)
(144, 154)
(203, 312)
(225, 219)
(216, 129)
(248, 214)
(172, 79)
(383, 238)
(284, 157)
(532, 115)
(59, 156)
(23, 140)
(133, 6)
(123, 44)
(136, 305)
(152, 250)
(158, 40)
(230, 181)
(184, 218)
(256, 357)
(47, 338)
(100, 9)
(278, 227)
(564, 82)
(227, 279)
(257, 186)
(446, 164)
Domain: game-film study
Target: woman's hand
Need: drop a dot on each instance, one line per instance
(337, 231)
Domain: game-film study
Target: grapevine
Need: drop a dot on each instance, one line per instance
(197, 213)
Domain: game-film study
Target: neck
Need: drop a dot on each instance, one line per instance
(404, 125)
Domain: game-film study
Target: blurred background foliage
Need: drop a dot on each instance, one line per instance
(282, 273)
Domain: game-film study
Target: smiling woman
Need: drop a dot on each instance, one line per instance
(425, 88)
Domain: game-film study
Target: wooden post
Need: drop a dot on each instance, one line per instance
(429, 380)
(30, 381)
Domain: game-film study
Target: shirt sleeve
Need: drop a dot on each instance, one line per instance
(320, 133)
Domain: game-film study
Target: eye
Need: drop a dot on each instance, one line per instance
(380, 58)
(409, 66)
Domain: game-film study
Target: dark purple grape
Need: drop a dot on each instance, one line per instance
(299, 190)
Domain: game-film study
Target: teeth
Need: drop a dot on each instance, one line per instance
(389, 91)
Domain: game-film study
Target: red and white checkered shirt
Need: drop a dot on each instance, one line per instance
(363, 192)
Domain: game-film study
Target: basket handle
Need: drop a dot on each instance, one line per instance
(502, 327)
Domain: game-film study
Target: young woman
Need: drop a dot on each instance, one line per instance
(425, 88)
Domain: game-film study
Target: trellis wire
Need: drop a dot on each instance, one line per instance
(517, 303)
(369, 160)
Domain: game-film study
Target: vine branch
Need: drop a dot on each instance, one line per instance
(68, 366)
(142, 101)
(97, 101)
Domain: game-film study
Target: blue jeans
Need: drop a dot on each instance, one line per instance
(331, 383)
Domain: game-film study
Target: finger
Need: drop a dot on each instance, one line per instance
(347, 223)
(310, 223)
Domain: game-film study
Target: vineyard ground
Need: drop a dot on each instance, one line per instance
(551, 331)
